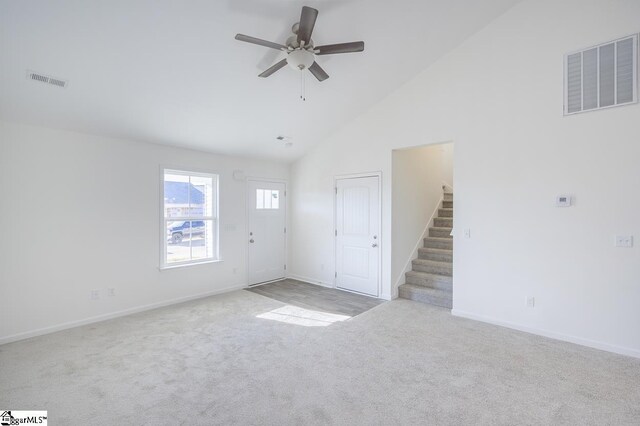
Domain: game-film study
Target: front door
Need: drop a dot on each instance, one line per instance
(267, 233)
(358, 234)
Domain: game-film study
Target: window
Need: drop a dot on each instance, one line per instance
(190, 217)
(267, 199)
(602, 76)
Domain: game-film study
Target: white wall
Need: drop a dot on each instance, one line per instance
(81, 212)
(499, 97)
(447, 165)
(416, 189)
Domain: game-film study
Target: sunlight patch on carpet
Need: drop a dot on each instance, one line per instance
(300, 316)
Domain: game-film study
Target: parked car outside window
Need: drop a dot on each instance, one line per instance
(181, 229)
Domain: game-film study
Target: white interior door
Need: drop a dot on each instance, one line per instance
(358, 234)
(267, 231)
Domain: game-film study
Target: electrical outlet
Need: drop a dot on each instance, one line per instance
(95, 294)
(531, 302)
(624, 240)
(111, 292)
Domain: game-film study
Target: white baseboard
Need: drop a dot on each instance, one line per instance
(112, 315)
(553, 335)
(310, 281)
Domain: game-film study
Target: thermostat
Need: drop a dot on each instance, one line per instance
(563, 201)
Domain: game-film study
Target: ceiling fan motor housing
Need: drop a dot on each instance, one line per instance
(300, 59)
(293, 43)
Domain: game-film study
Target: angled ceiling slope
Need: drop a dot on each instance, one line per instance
(171, 72)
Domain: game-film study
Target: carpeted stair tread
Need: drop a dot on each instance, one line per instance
(432, 267)
(444, 222)
(426, 279)
(440, 255)
(440, 243)
(443, 212)
(440, 232)
(426, 295)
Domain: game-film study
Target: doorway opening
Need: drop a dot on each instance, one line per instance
(422, 223)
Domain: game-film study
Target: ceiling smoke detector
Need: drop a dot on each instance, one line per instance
(47, 79)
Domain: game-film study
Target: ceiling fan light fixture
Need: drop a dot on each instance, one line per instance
(300, 59)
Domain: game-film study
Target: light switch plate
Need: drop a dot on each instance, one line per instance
(624, 240)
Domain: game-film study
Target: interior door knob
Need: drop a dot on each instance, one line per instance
(251, 240)
(374, 245)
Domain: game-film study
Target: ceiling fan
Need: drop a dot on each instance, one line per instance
(301, 51)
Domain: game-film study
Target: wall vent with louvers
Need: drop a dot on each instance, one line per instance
(46, 79)
(602, 76)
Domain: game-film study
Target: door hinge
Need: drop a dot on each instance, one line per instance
(285, 267)
(285, 230)
(336, 275)
(336, 190)
(336, 232)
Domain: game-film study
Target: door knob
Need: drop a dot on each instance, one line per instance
(251, 240)
(374, 245)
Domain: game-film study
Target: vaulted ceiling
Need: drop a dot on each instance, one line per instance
(170, 72)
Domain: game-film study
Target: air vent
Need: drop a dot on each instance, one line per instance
(602, 76)
(46, 79)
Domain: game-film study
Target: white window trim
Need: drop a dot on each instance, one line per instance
(215, 218)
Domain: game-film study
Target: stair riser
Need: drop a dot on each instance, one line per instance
(443, 222)
(440, 233)
(438, 257)
(445, 302)
(448, 245)
(445, 213)
(446, 270)
(448, 197)
(447, 204)
(431, 283)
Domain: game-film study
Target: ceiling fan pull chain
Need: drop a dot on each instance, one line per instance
(302, 87)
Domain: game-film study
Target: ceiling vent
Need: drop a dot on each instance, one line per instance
(601, 76)
(34, 76)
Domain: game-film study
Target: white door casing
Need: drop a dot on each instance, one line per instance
(266, 206)
(358, 234)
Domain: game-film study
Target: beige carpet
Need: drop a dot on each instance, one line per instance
(241, 358)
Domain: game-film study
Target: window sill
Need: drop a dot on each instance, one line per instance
(186, 265)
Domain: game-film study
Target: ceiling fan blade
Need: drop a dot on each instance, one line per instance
(260, 42)
(318, 72)
(330, 49)
(273, 68)
(307, 22)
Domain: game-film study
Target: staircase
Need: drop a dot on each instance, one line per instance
(431, 277)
